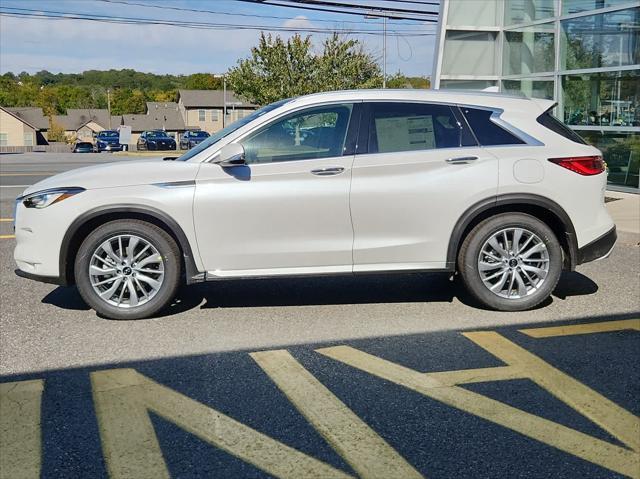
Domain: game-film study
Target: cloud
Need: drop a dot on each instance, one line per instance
(300, 22)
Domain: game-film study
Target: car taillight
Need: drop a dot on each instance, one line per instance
(583, 165)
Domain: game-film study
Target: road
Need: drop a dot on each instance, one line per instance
(342, 390)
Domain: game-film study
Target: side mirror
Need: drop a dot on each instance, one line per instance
(231, 155)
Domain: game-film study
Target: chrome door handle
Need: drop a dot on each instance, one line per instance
(461, 160)
(327, 171)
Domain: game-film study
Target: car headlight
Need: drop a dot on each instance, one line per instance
(42, 199)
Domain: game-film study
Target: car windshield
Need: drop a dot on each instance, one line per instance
(157, 134)
(84, 145)
(108, 134)
(216, 137)
(198, 134)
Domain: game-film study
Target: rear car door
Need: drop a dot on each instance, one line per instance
(417, 169)
(287, 210)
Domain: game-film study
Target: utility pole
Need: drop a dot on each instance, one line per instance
(374, 15)
(109, 106)
(224, 101)
(384, 52)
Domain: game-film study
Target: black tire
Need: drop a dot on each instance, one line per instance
(470, 250)
(164, 244)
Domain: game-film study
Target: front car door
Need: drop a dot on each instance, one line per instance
(418, 169)
(287, 210)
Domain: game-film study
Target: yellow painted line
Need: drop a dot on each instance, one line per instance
(7, 236)
(605, 413)
(32, 173)
(579, 444)
(467, 376)
(359, 445)
(5, 220)
(123, 398)
(20, 432)
(591, 328)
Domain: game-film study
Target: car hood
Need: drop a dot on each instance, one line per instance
(108, 140)
(161, 139)
(122, 173)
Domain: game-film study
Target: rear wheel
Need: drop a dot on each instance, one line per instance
(128, 269)
(511, 262)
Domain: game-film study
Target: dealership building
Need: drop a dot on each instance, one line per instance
(584, 54)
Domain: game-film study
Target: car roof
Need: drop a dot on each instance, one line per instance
(459, 97)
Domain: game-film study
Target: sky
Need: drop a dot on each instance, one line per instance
(72, 46)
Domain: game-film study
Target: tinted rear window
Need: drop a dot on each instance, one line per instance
(487, 132)
(552, 123)
(413, 126)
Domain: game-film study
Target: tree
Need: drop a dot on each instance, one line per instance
(279, 69)
(125, 100)
(56, 132)
(203, 81)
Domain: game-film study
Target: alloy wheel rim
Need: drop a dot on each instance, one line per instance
(126, 271)
(513, 263)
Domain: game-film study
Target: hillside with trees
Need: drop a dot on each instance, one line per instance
(276, 69)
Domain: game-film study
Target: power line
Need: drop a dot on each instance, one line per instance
(380, 8)
(59, 15)
(251, 15)
(363, 10)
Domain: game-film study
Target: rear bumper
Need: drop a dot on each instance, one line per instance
(599, 248)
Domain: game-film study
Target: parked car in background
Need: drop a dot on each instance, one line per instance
(488, 186)
(156, 140)
(108, 140)
(192, 138)
(84, 147)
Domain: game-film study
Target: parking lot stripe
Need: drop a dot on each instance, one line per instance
(123, 399)
(584, 446)
(605, 413)
(5, 220)
(20, 433)
(603, 327)
(7, 236)
(14, 186)
(359, 445)
(467, 376)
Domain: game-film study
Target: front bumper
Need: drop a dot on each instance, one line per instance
(43, 279)
(599, 248)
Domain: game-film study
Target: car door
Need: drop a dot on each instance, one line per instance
(418, 168)
(287, 210)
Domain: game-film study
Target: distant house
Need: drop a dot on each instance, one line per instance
(203, 109)
(159, 116)
(22, 127)
(84, 123)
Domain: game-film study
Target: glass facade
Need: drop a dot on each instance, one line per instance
(584, 54)
(605, 40)
(525, 11)
(529, 50)
(538, 87)
(607, 99)
(622, 153)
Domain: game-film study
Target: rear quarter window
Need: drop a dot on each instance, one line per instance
(487, 132)
(552, 123)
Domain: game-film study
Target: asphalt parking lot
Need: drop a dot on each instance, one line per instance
(377, 376)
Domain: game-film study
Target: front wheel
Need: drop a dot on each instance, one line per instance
(128, 269)
(510, 262)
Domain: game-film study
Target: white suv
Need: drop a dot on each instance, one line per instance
(489, 186)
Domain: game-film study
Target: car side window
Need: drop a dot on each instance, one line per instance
(487, 132)
(314, 133)
(398, 127)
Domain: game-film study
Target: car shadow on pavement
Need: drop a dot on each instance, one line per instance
(325, 290)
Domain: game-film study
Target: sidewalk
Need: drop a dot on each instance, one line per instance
(625, 211)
